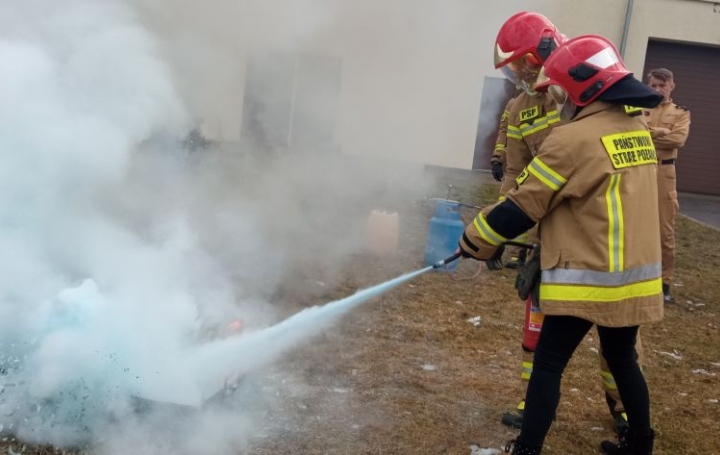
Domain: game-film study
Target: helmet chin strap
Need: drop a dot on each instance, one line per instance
(568, 110)
(528, 88)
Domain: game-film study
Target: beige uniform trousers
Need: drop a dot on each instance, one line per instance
(668, 207)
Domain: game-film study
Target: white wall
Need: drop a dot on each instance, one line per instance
(412, 69)
(693, 21)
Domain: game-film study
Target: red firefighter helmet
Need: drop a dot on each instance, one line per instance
(525, 35)
(581, 69)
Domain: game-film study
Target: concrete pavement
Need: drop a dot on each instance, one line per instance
(702, 208)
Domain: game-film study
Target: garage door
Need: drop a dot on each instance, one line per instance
(697, 79)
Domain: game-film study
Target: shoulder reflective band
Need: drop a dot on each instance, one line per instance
(633, 148)
(486, 232)
(546, 175)
(632, 111)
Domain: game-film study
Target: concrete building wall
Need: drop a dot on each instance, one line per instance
(412, 70)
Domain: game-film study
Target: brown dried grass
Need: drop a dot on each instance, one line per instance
(365, 391)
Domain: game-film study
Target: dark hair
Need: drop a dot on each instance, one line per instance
(662, 74)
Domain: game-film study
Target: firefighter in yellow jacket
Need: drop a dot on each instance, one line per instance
(592, 189)
(524, 41)
(497, 160)
(669, 126)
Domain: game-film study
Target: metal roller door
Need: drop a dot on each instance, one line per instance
(697, 79)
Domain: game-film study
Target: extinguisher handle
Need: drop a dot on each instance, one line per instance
(528, 246)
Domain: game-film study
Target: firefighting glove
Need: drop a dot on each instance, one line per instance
(495, 261)
(497, 169)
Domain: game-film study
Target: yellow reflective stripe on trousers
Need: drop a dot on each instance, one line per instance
(608, 380)
(552, 117)
(616, 225)
(588, 293)
(527, 368)
(513, 132)
(486, 232)
(499, 147)
(546, 175)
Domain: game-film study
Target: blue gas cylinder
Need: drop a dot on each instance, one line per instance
(446, 228)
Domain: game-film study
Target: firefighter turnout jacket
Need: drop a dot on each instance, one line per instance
(498, 154)
(592, 188)
(529, 121)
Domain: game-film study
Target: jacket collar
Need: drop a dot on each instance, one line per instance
(593, 108)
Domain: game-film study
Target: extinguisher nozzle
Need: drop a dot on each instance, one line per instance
(446, 261)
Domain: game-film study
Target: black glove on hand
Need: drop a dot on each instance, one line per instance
(495, 261)
(497, 170)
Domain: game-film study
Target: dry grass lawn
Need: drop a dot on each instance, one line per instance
(407, 373)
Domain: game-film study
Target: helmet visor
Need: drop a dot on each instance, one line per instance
(510, 75)
(523, 71)
(527, 63)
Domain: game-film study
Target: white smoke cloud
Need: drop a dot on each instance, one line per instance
(122, 252)
(96, 292)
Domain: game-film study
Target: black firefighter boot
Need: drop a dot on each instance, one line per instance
(514, 418)
(521, 449)
(667, 296)
(630, 444)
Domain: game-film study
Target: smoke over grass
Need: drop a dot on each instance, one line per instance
(123, 251)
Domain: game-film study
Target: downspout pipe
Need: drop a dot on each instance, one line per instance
(626, 27)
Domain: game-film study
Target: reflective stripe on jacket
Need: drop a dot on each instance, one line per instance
(530, 119)
(592, 187)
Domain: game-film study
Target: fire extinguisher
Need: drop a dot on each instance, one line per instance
(533, 324)
(527, 284)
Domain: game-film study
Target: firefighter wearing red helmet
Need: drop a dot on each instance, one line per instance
(592, 189)
(525, 41)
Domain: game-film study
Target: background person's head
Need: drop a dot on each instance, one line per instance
(662, 81)
(523, 43)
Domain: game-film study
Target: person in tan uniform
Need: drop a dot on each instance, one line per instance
(497, 160)
(523, 42)
(592, 189)
(669, 127)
